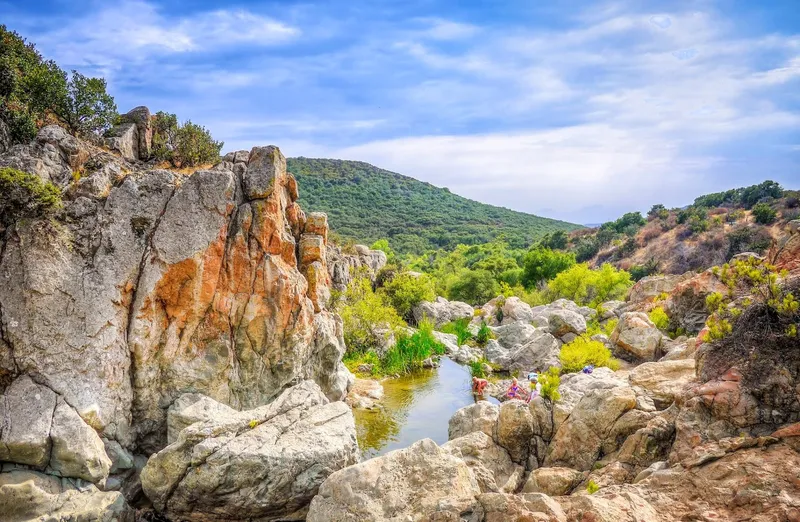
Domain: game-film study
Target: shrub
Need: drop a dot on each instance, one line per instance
(411, 350)
(591, 287)
(550, 381)
(764, 214)
(474, 287)
(186, 145)
(23, 195)
(512, 277)
(543, 264)
(366, 315)
(659, 318)
(582, 352)
(383, 246)
(745, 238)
(406, 290)
(460, 329)
(592, 487)
(658, 212)
(586, 249)
(484, 334)
(556, 241)
(641, 271)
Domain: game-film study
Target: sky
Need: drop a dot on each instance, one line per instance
(574, 110)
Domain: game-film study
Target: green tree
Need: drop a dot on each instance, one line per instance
(406, 290)
(367, 316)
(165, 136)
(195, 146)
(474, 287)
(590, 287)
(543, 264)
(764, 214)
(86, 108)
(658, 211)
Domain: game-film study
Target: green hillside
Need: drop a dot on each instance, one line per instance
(366, 203)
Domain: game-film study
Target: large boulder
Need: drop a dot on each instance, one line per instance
(124, 139)
(481, 416)
(527, 507)
(266, 463)
(686, 305)
(540, 352)
(663, 381)
(650, 287)
(490, 463)
(513, 335)
(515, 430)
(574, 386)
(442, 311)
(421, 482)
(636, 338)
(610, 506)
(26, 496)
(553, 481)
(579, 440)
(515, 309)
(564, 321)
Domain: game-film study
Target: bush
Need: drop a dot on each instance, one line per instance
(86, 108)
(186, 145)
(582, 351)
(658, 212)
(550, 381)
(484, 335)
(460, 329)
(383, 246)
(543, 264)
(474, 287)
(659, 318)
(591, 287)
(764, 214)
(556, 241)
(641, 271)
(592, 487)
(406, 290)
(366, 316)
(23, 195)
(476, 369)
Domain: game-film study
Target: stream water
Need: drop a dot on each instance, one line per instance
(414, 407)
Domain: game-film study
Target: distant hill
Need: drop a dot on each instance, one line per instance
(365, 203)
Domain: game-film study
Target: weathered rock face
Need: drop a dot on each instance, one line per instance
(664, 381)
(636, 338)
(156, 286)
(687, 302)
(421, 482)
(553, 481)
(132, 136)
(514, 309)
(785, 253)
(342, 267)
(261, 464)
(442, 311)
(650, 287)
(490, 463)
(481, 416)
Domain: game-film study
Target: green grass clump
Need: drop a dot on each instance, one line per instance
(24, 195)
(592, 487)
(484, 335)
(476, 369)
(460, 329)
(550, 381)
(411, 350)
(583, 351)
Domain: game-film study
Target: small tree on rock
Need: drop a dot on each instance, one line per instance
(86, 108)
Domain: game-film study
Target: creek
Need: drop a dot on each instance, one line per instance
(415, 406)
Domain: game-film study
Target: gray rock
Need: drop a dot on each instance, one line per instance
(514, 309)
(124, 139)
(490, 464)
(636, 338)
(515, 430)
(191, 408)
(264, 166)
(481, 416)
(26, 411)
(540, 352)
(77, 449)
(442, 311)
(266, 463)
(565, 321)
(516, 334)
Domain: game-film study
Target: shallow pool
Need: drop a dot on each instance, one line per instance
(414, 407)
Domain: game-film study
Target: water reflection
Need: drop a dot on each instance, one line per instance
(414, 407)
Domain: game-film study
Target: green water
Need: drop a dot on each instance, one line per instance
(414, 407)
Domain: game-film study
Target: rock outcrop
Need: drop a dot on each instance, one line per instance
(343, 266)
(636, 338)
(442, 311)
(265, 464)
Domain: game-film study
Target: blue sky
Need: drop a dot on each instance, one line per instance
(574, 110)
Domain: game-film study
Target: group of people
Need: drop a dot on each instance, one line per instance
(515, 391)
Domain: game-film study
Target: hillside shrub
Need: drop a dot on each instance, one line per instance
(658, 212)
(367, 316)
(554, 241)
(406, 290)
(24, 195)
(475, 287)
(186, 145)
(583, 351)
(85, 107)
(550, 381)
(590, 287)
(744, 238)
(543, 264)
(641, 271)
(659, 318)
(764, 214)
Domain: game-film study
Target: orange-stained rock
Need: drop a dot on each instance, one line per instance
(317, 224)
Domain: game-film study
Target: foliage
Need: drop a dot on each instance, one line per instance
(764, 214)
(760, 282)
(593, 326)
(184, 145)
(476, 369)
(367, 316)
(410, 351)
(474, 287)
(24, 195)
(415, 217)
(658, 212)
(639, 272)
(557, 240)
(592, 487)
(550, 381)
(460, 329)
(543, 264)
(406, 290)
(659, 318)
(583, 351)
(627, 223)
(484, 334)
(745, 196)
(590, 287)
(85, 107)
(383, 246)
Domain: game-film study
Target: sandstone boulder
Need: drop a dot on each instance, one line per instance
(421, 482)
(515, 430)
(564, 321)
(481, 416)
(513, 335)
(553, 481)
(541, 351)
(528, 507)
(514, 309)
(266, 463)
(610, 506)
(442, 311)
(663, 381)
(650, 287)
(636, 338)
(490, 464)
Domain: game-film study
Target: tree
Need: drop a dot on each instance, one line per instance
(556, 241)
(590, 287)
(658, 211)
(407, 290)
(165, 136)
(184, 145)
(764, 214)
(474, 287)
(543, 264)
(86, 108)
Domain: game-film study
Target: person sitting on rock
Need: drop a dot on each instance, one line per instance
(514, 391)
(533, 375)
(536, 386)
(478, 385)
